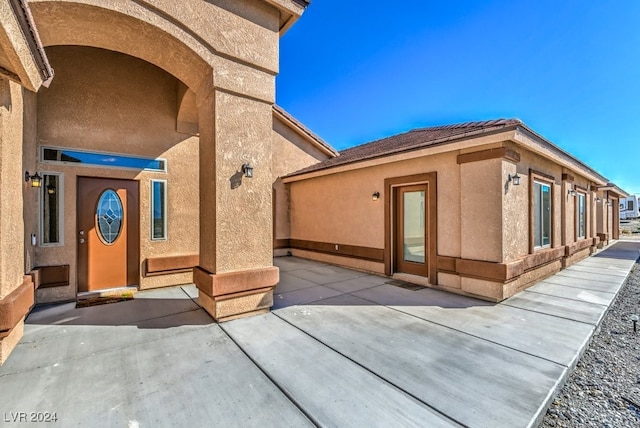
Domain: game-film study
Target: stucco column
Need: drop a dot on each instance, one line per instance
(236, 274)
(16, 289)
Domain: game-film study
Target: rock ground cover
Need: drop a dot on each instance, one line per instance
(604, 388)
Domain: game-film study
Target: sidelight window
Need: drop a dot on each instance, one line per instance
(541, 215)
(158, 210)
(51, 214)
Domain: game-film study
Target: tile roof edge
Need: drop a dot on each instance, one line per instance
(433, 143)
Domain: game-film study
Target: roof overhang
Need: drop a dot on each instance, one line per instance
(22, 57)
(290, 11)
(303, 131)
(612, 188)
(518, 134)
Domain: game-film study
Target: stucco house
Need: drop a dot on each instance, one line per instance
(149, 158)
(141, 147)
(481, 208)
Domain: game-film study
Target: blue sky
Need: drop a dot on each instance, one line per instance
(356, 71)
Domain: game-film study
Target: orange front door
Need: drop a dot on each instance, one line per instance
(108, 233)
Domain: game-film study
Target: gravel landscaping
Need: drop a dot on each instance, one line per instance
(604, 389)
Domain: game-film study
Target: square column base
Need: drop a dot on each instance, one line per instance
(10, 341)
(231, 295)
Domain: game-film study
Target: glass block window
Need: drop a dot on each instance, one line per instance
(109, 216)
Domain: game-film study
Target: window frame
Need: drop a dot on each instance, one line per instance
(165, 222)
(546, 180)
(164, 168)
(41, 202)
(581, 195)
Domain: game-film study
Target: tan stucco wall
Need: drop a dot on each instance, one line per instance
(291, 152)
(107, 101)
(338, 208)
(12, 186)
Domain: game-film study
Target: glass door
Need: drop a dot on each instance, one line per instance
(411, 230)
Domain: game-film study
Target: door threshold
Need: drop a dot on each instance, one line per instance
(129, 290)
(414, 279)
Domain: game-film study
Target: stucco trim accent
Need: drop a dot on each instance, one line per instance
(505, 272)
(279, 244)
(221, 284)
(170, 264)
(431, 179)
(50, 276)
(501, 152)
(344, 250)
(15, 305)
(568, 177)
(580, 245)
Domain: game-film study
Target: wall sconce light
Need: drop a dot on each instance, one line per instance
(36, 180)
(515, 179)
(598, 199)
(572, 192)
(375, 196)
(247, 170)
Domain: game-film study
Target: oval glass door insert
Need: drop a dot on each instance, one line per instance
(109, 214)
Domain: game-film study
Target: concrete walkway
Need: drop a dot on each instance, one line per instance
(341, 348)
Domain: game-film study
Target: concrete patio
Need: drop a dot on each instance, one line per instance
(340, 348)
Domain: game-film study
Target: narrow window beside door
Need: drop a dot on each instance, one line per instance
(541, 215)
(51, 209)
(158, 210)
(582, 216)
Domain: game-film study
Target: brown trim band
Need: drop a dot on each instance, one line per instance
(170, 264)
(16, 305)
(281, 243)
(50, 276)
(568, 177)
(353, 251)
(506, 272)
(571, 249)
(220, 284)
(501, 152)
(542, 175)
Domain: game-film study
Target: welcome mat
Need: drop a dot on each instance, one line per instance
(405, 285)
(95, 301)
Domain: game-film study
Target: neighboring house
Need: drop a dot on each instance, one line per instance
(629, 207)
(151, 158)
(481, 208)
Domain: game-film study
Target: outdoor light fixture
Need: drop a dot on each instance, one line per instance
(247, 170)
(515, 179)
(572, 192)
(375, 196)
(634, 318)
(36, 180)
(598, 199)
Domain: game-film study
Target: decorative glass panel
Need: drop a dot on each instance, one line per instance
(413, 224)
(110, 216)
